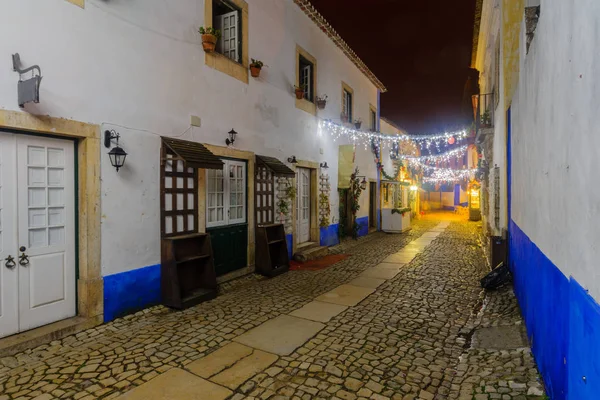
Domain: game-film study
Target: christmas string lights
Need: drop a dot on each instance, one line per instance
(449, 175)
(338, 130)
(458, 152)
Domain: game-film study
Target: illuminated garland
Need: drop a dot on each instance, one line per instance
(449, 175)
(338, 130)
(458, 152)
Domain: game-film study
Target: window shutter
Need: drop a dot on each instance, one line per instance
(229, 35)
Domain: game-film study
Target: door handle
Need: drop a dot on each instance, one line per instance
(24, 260)
(10, 262)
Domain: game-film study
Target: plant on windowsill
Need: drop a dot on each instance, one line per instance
(321, 102)
(486, 120)
(210, 36)
(299, 90)
(357, 123)
(255, 67)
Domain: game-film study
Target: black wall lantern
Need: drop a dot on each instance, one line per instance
(324, 165)
(363, 183)
(116, 154)
(292, 160)
(231, 138)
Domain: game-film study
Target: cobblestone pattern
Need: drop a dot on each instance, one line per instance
(108, 360)
(484, 374)
(399, 343)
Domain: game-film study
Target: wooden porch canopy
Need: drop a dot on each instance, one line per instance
(277, 167)
(194, 154)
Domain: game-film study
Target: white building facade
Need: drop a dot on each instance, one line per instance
(539, 57)
(92, 235)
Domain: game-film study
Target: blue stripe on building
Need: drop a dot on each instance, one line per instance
(131, 291)
(363, 226)
(289, 240)
(562, 319)
(329, 235)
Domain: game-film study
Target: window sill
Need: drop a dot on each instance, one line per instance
(227, 66)
(307, 106)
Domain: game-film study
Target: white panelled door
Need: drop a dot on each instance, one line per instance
(9, 303)
(302, 205)
(43, 240)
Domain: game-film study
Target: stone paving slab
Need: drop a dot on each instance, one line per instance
(177, 384)
(431, 234)
(281, 335)
(366, 281)
(382, 271)
(319, 311)
(219, 360)
(346, 295)
(399, 258)
(244, 369)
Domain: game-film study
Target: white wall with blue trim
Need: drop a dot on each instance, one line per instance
(554, 150)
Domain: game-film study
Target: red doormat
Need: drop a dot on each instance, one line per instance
(316, 265)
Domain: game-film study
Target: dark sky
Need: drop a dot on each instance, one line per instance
(419, 49)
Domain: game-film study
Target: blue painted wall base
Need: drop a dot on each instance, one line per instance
(329, 235)
(363, 226)
(562, 319)
(131, 291)
(289, 239)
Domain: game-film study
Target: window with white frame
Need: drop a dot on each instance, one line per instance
(373, 115)
(347, 104)
(227, 19)
(226, 194)
(306, 69)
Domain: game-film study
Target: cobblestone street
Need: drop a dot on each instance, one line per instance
(420, 333)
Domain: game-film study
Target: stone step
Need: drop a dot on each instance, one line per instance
(311, 253)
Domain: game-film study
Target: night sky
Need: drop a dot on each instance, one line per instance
(420, 50)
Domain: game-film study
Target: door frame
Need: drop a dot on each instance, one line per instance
(373, 203)
(241, 155)
(314, 209)
(90, 284)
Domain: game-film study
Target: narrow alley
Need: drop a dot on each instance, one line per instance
(399, 319)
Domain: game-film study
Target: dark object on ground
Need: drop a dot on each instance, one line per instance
(497, 278)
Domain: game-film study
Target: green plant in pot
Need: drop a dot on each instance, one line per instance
(255, 67)
(486, 119)
(210, 36)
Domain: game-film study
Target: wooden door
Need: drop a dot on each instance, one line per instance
(46, 230)
(302, 205)
(265, 195)
(9, 303)
(226, 216)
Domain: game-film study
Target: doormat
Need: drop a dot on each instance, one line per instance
(316, 265)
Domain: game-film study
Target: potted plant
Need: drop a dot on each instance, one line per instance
(299, 91)
(357, 123)
(321, 102)
(255, 67)
(210, 36)
(485, 118)
(344, 117)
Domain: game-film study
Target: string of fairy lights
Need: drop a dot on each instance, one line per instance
(437, 174)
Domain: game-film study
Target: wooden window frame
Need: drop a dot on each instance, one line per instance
(226, 196)
(304, 104)
(173, 191)
(349, 90)
(220, 62)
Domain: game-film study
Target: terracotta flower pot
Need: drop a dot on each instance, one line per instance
(299, 93)
(209, 42)
(321, 104)
(254, 71)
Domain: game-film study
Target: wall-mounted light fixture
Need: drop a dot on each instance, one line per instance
(117, 155)
(231, 138)
(324, 165)
(292, 160)
(363, 183)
